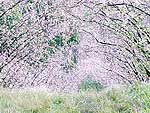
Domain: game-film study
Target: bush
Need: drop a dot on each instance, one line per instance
(89, 84)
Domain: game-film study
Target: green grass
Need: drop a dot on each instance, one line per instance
(117, 99)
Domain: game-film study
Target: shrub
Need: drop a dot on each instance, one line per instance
(89, 84)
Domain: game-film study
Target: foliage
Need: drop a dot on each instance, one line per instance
(74, 39)
(35, 33)
(59, 43)
(132, 30)
(120, 99)
(89, 84)
(30, 33)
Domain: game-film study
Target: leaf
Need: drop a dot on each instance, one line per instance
(9, 21)
(2, 20)
(51, 43)
(58, 40)
(74, 59)
(50, 51)
(74, 39)
(30, 1)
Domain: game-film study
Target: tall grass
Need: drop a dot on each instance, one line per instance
(120, 99)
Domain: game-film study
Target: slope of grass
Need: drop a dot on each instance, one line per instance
(120, 99)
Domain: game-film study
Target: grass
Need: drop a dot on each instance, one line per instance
(117, 99)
